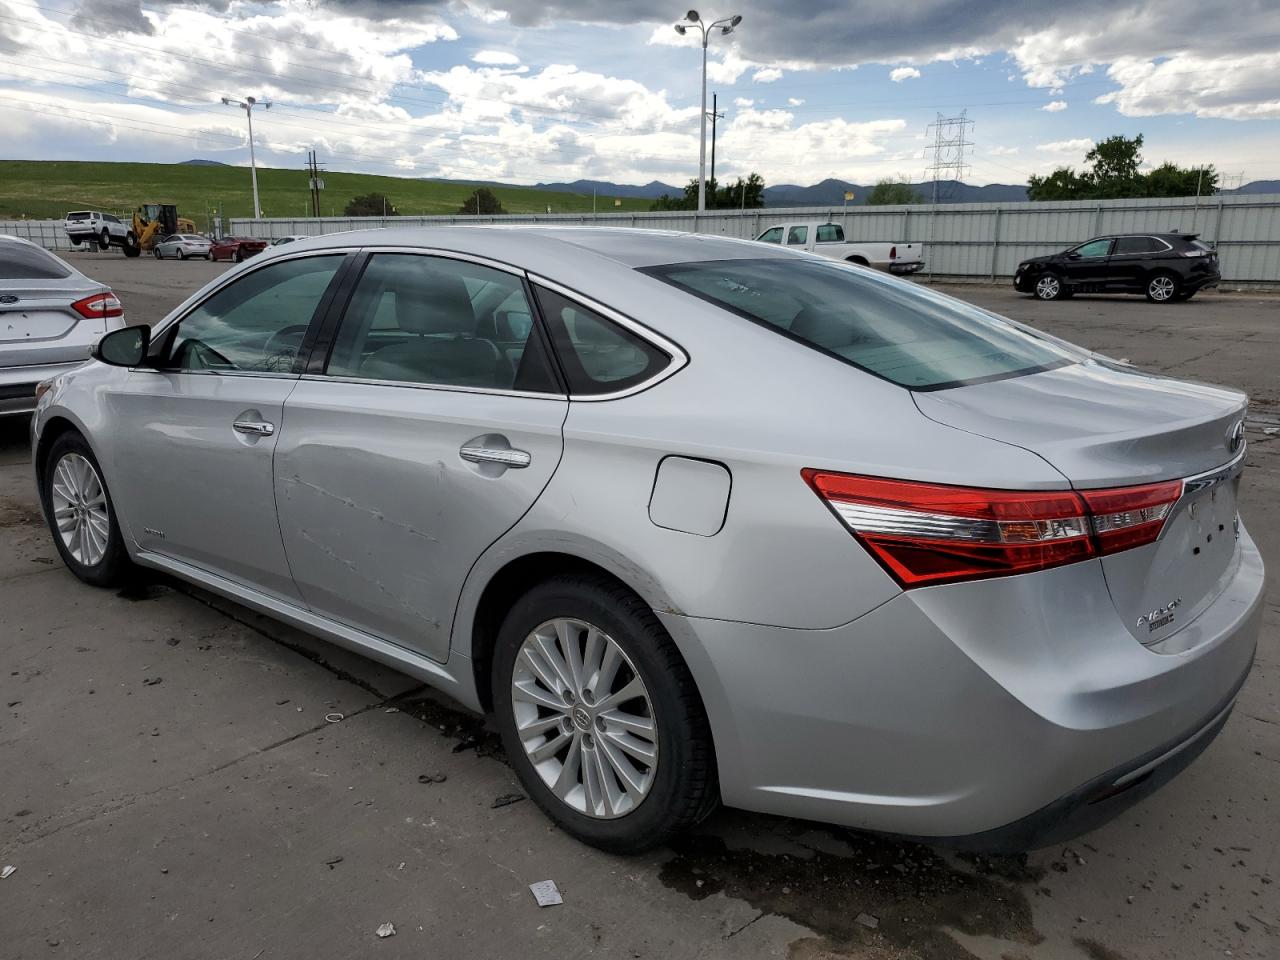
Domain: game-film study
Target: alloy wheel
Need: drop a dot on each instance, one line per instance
(584, 718)
(1162, 288)
(1048, 287)
(80, 509)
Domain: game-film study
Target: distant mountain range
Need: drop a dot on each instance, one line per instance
(829, 192)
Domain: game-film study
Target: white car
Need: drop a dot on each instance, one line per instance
(93, 226)
(827, 240)
(182, 246)
(281, 241)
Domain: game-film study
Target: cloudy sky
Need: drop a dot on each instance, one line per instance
(528, 91)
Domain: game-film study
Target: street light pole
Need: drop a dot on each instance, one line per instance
(725, 25)
(247, 105)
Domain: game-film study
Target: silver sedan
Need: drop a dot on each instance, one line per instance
(696, 520)
(182, 246)
(50, 316)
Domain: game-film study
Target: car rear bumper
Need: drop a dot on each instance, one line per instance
(18, 385)
(990, 714)
(906, 267)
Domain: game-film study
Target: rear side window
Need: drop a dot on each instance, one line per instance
(598, 356)
(772, 235)
(431, 320)
(830, 233)
(1136, 245)
(21, 261)
(896, 330)
(797, 235)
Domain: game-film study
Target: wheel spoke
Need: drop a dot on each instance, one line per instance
(629, 721)
(528, 691)
(631, 779)
(634, 688)
(610, 792)
(570, 771)
(552, 656)
(549, 748)
(608, 671)
(568, 633)
(538, 726)
(646, 753)
(541, 670)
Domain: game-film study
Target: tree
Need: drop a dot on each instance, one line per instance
(729, 197)
(1115, 167)
(1171, 180)
(370, 205)
(890, 191)
(482, 202)
(1063, 184)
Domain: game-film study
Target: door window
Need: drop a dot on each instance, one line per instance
(598, 356)
(797, 235)
(772, 235)
(1127, 245)
(1094, 248)
(830, 233)
(256, 323)
(430, 320)
(26, 261)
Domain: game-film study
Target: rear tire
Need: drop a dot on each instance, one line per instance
(182, 255)
(1050, 286)
(1162, 288)
(583, 785)
(104, 240)
(81, 515)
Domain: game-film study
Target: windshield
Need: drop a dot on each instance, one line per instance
(22, 261)
(891, 328)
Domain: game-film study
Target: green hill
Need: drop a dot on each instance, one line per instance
(47, 189)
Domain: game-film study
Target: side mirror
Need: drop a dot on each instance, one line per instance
(124, 348)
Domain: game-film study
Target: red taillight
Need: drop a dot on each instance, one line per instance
(925, 533)
(893, 253)
(98, 306)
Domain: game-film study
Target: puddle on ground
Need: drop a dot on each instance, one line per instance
(913, 892)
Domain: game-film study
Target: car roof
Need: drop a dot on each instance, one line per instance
(628, 246)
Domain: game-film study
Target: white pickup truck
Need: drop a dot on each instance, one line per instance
(827, 240)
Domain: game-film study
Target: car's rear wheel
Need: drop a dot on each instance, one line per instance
(1162, 288)
(182, 255)
(104, 240)
(1050, 287)
(599, 715)
(81, 516)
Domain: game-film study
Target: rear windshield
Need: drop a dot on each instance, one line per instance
(79, 216)
(20, 261)
(891, 328)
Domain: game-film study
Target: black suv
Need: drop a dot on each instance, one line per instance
(1165, 266)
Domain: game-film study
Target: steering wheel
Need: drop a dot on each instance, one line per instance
(281, 348)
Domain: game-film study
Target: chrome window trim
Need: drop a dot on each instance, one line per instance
(679, 358)
(443, 387)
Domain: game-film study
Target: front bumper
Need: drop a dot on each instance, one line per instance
(954, 712)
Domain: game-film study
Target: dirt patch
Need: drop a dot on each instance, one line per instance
(17, 515)
(1097, 951)
(470, 730)
(884, 898)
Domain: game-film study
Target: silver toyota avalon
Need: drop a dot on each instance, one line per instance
(695, 519)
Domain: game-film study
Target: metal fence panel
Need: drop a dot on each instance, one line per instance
(48, 233)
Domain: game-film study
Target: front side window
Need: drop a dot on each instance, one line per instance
(830, 233)
(896, 330)
(1094, 248)
(797, 235)
(255, 324)
(597, 355)
(430, 320)
(772, 235)
(23, 261)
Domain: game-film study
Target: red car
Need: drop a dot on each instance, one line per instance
(236, 248)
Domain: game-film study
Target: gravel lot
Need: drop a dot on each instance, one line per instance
(169, 786)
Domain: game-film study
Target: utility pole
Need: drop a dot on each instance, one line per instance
(725, 26)
(247, 104)
(715, 115)
(315, 182)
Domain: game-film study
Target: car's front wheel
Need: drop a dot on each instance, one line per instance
(155, 252)
(1162, 288)
(1050, 287)
(80, 514)
(599, 715)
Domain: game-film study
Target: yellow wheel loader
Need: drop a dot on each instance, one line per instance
(152, 222)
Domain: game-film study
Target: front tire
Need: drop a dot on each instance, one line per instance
(600, 717)
(1162, 288)
(81, 514)
(155, 252)
(1049, 286)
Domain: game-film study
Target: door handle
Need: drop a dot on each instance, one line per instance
(260, 428)
(516, 459)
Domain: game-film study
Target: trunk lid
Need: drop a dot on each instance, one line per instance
(1105, 425)
(38, 324)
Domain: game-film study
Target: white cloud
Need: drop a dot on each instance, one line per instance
(728, 68)
(898, 74)
(495, 58)
(1054, 106)
(1080, 145)
(1001, 151)
(767, 75)
(795, 102)
(743, 102)
(1231, 88)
